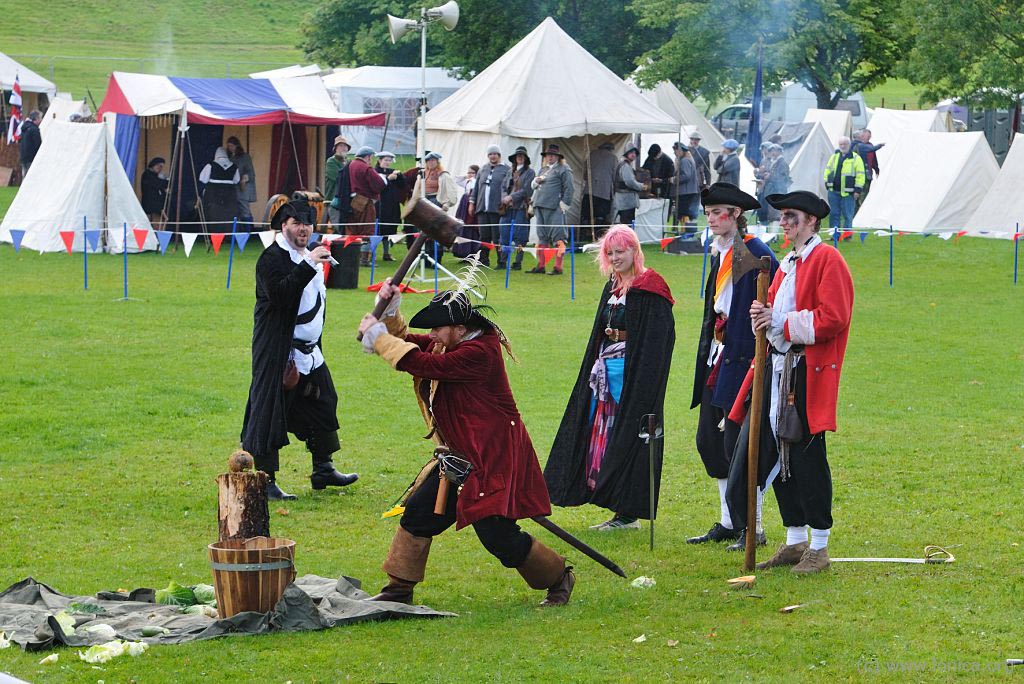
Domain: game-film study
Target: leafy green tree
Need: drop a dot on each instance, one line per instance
(970, 48)
(833, 47)
(354, 32)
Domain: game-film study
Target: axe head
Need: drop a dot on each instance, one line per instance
(743, 262)
(432, 221)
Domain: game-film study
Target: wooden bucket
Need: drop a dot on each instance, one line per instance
(251, 574)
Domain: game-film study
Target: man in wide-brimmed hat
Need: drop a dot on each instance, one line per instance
(464, 392)
(807, 320)
(726, 346)
(291, 390)
(515, 225)
(552, 197)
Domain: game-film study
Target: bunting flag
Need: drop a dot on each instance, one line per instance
(350, 239)
(188, 240)
(398, 237)
(164, 238)
(140, 237)
(240, 240)
(92, 237)
(862, 236)
(217, 239)
(665, 242)
(68, 236)
(532, 251)
(785, 243)
(16, 237)
(315, 237)
(959, 234)
(267, 238)
(488, 245)
(882, 233)
(375, 242)
(1017, 236)
(846, 235)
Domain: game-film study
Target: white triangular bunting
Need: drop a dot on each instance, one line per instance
(267, 237)
(395, 239)
(188, 239)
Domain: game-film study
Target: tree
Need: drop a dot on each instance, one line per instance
(354, 32)
(972, 49)
(832, 47)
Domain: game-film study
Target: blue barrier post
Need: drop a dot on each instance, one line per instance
(373, 250)
(507, 252)
(231, 250)
(572, 263)
(890, 256)
(1016, 250)
(85, 250)
(436, 286)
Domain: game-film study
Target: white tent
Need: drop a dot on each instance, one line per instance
(61, 109)
(1001, 213)
(837, 123)
(76, 175)
(289, 71)
(887, 125)
(392, 90)
(545, 89)
(807, 148)
(933, 181)
(30, 81)
(791, 102)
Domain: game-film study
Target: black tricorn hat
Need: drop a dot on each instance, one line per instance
(805, 201)
(729, 195)
(449, 308)
(300, 210)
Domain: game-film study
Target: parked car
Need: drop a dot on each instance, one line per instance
(733, 122)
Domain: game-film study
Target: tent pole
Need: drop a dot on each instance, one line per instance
(181, 163)
(590, 188)
(295, 151)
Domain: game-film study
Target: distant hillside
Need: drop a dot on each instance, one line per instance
(179, 37)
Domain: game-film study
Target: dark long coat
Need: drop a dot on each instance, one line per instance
(623, 484)
(477, 417)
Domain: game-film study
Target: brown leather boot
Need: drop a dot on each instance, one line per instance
(545, 569)
(405, 566)
(785, 555)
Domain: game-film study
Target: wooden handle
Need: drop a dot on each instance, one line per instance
(399, 276)
(441, 503)
(756, 408)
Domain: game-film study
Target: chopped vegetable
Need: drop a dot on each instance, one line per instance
(101, 630)
(5, 640)
(76, 608)
(66, 622)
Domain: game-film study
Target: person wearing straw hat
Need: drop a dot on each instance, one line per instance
(807, 319)
(291, 389)
(552, 197)
(597, 456)
(464, 393)
(726, 346)
(332, 173)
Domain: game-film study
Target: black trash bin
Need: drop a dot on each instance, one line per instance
(344, 276)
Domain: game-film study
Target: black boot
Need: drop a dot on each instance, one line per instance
(760, 540)
(324, 475)
(275, 493)
(717, 533)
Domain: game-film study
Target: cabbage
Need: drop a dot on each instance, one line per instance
(112, 649)
(5, 641)
(175, 595)
(200, 609)
(101, 630)
(66, 622)
(205, 594)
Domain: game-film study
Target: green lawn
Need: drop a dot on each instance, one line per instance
(118, 416)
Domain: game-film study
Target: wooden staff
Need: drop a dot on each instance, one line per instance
(756, 407)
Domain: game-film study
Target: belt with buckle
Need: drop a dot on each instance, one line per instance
(615, 335)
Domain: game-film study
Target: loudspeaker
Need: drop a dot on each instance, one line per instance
(399, 27)
(447, 14)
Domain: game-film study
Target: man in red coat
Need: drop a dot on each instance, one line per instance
(366, 185)
(459, 364)
(807, 319)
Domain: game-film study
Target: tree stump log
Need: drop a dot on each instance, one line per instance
(242, 510)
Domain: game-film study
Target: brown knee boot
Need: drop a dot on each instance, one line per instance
(405, 565)
(545, 569)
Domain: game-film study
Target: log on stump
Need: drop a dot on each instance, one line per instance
(242, 510)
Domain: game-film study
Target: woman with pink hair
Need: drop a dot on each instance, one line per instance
(597, 456)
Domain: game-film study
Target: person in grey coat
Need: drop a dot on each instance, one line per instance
(627, 187)
(702, 160)
(515, 225)
(687, 191)
(778, 180)
(598, 188)
(486, 200)
(552, 196)
(727, 164)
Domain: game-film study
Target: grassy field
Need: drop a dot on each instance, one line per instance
(118, 416)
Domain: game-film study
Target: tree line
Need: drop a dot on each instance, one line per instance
(708, 48)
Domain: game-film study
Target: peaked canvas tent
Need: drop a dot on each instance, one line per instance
(837, 122)
(933, 181)
(394, 91)
(1001, 212)
(30, 81)
(806, 147)
(887, 125)
(61, 109)
(76, 175)
(520, 100)
(281, 122)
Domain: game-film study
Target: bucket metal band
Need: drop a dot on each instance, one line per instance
(251, 567)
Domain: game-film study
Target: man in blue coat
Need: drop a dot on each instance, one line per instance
(726, 344)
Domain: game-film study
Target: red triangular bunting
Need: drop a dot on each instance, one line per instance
(785, 242)
(847, 234)
(665, 241)
(140, 237)
(68, 236)
(488, 245)
(350, 239)
(402, 288)
(217, 239)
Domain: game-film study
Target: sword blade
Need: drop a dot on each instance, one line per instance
(579, 545)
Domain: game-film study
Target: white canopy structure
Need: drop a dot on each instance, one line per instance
(932, 181)
(30, 81)
(76, 181)
(289, 71)
(836, 122)
(1001, 213)
(392, 90)
(888, 125)
(546, 89)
